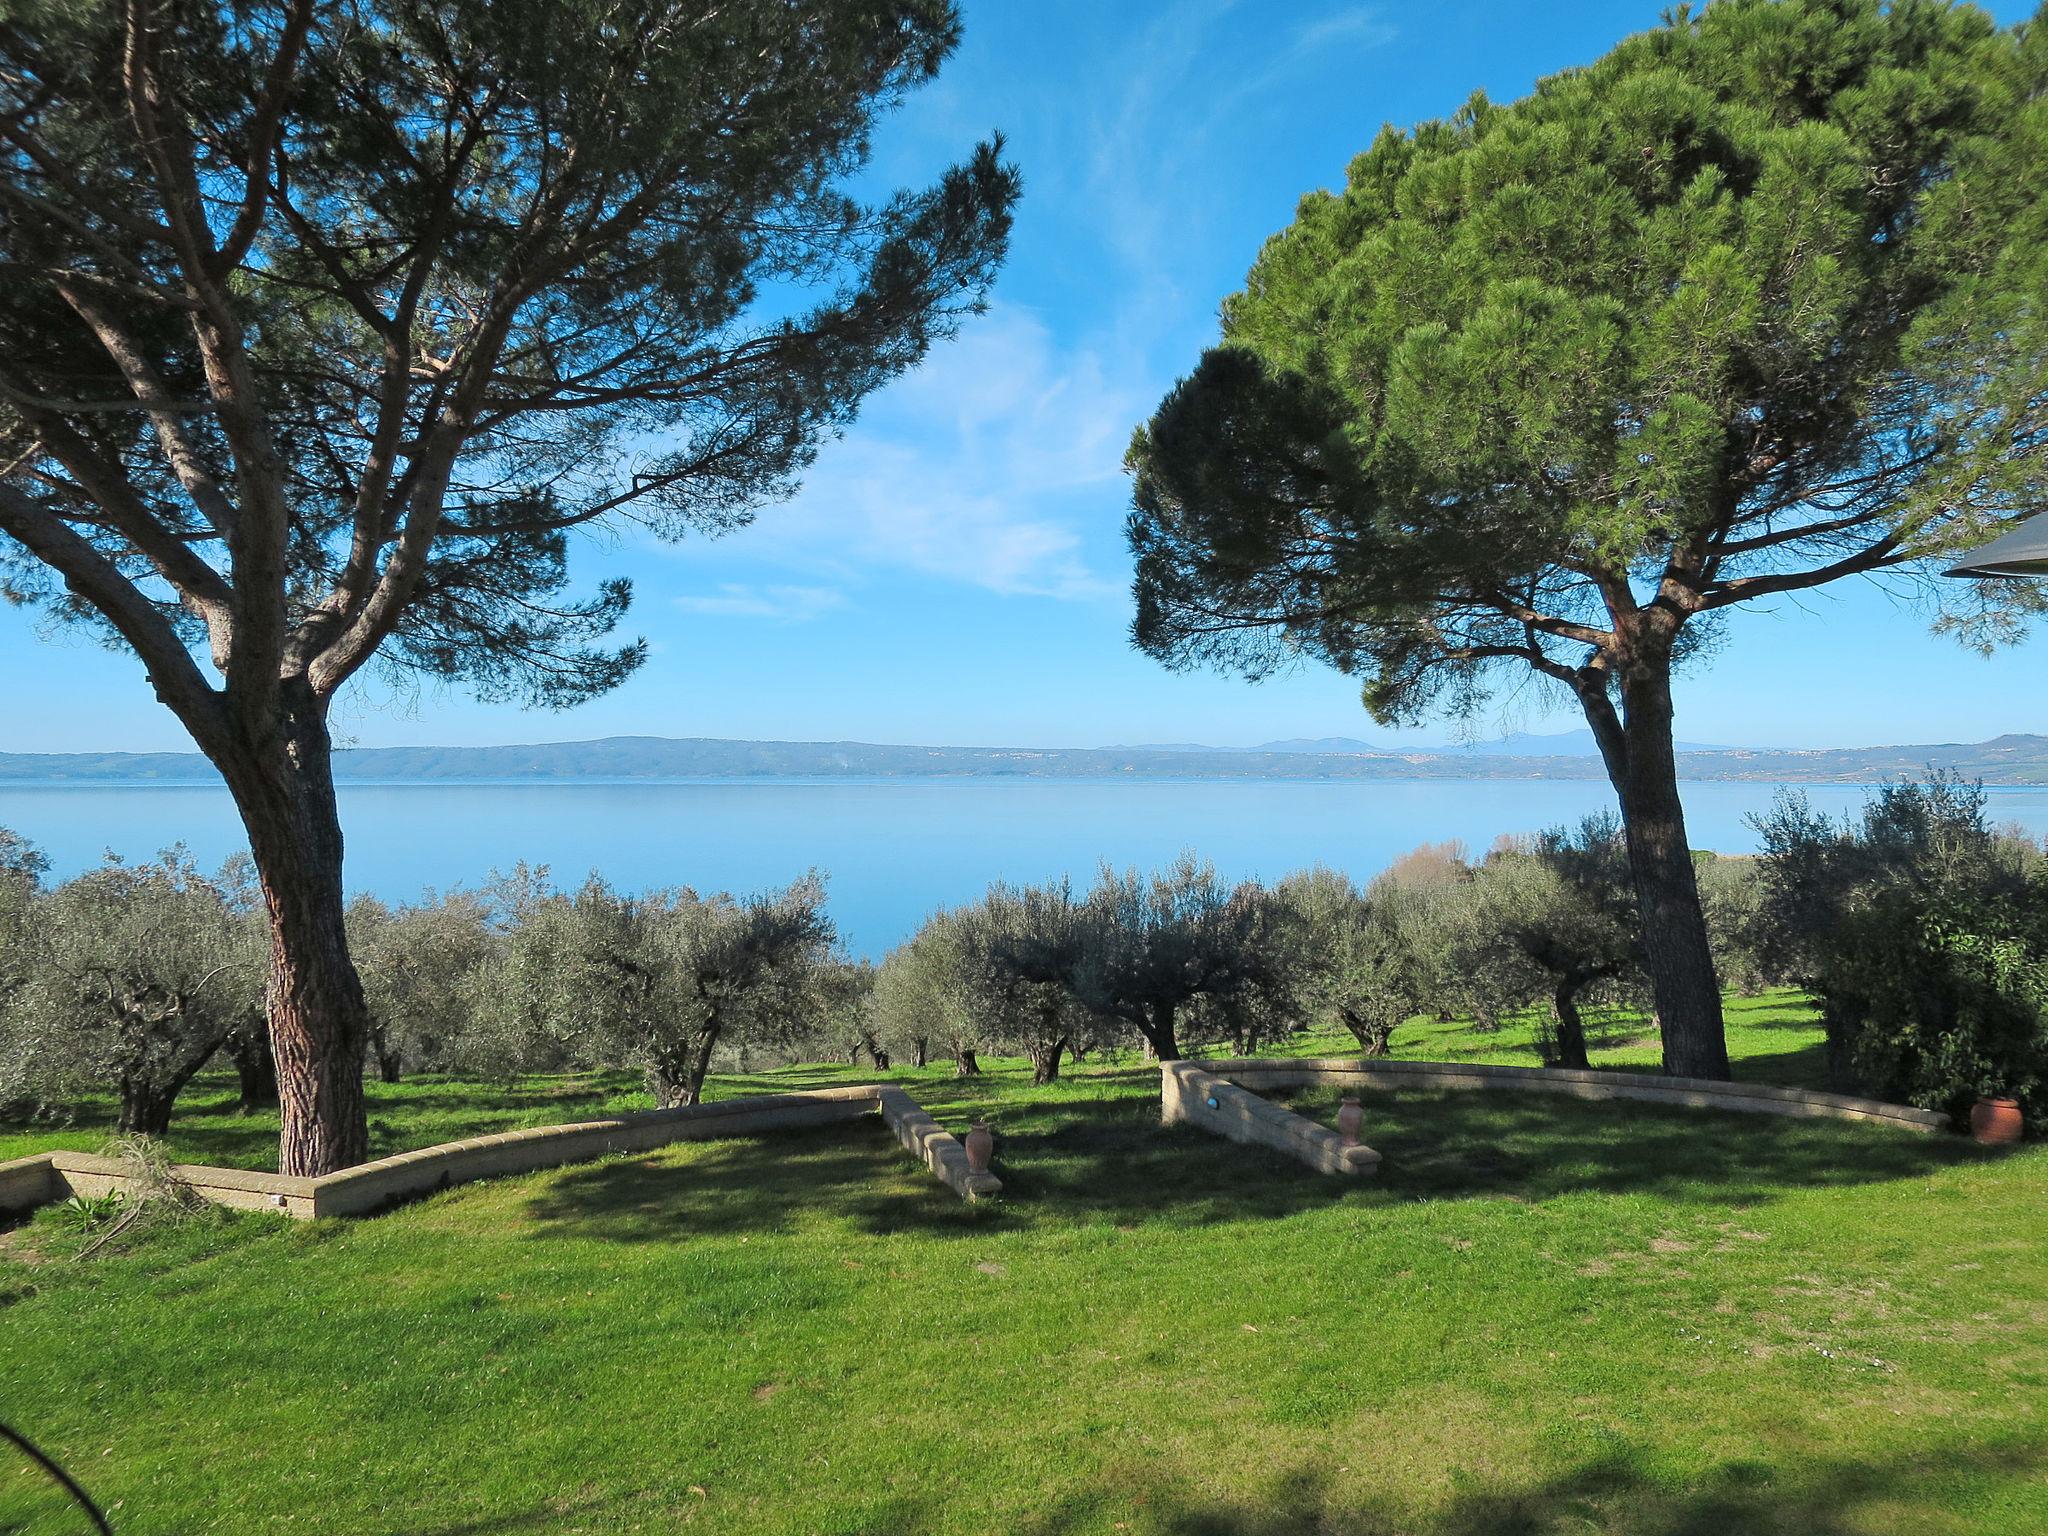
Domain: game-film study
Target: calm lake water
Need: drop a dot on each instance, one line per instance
(893, 849)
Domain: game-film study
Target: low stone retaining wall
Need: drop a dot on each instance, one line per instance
(1198, 1095)
(31, 1181)
(939, 1148)
(1697, 1093)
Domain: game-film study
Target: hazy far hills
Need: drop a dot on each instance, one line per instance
(2012, 759)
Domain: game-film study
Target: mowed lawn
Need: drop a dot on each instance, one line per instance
(1544, 1316)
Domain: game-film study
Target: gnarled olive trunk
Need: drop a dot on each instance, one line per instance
(255, 1069)
(148, 1082)
(284, 789)
(390, 1059)
(966, 1063)
(1643, 767)
(679, 1084)
(1162, 1039)
(1373, 1032)
(1045, 1060)
(146, 1108)
(1571, 1028)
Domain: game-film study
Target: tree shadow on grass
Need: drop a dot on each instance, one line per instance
(1925, 1487)
(1451, 1143)
(765, 1184)
(1110, 1160)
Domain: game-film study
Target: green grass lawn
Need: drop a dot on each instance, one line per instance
(1545, 1316)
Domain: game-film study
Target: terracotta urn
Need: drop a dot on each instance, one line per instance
(1996, 1122)
(1349, 1114)
(981, 1146)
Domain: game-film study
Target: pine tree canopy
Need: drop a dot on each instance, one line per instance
(1757, 301)
(326, 322)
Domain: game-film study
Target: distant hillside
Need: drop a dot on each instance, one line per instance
(2006, 760)
(1515, 744)
(1578, 743)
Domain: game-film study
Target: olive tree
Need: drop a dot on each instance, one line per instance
(921, 1003)
(660, 980)
(138, 975)
(850, 1020)
(329, 323)
(1161, 947)
(419, 962)
(1561, 905)
(1550, 389)
(1732, 896)
(22, 867)
(1016, 954)
(1357, 959)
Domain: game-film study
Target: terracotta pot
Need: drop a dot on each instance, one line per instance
(1349, 1114)
(1996, 1122)
(981, 1146)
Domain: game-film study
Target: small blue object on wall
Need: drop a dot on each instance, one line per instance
(1212, 1101)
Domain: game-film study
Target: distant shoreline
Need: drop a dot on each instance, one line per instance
(2012, 760)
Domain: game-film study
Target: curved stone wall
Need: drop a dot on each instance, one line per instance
(1698, 1093)
(31, 1181)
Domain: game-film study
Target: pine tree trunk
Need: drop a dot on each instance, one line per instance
(1643, 767)
(284, 789)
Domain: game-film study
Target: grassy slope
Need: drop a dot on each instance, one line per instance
(1544, 1317)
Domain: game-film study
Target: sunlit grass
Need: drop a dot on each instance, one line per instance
(1544, 1316)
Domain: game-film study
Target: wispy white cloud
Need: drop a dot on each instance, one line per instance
(741, 600)
(998, 464)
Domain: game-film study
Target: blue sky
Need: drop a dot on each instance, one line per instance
(954, 570)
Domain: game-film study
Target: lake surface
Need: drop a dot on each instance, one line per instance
(893, 849)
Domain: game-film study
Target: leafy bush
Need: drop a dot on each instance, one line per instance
(1925, 935)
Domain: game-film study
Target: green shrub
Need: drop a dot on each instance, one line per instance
(1925, 935)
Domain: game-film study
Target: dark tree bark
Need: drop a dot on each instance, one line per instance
(1045, 1061)
(148, 1096)
(1373, 1035)
(319, 1023)
(255, 1070)
(966, 1064)
(146, 1108)
(679, 1085)
(390, 1060)
(1159, 1027)
(920, 1051)
(1636, 746)
(1571, 1029)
